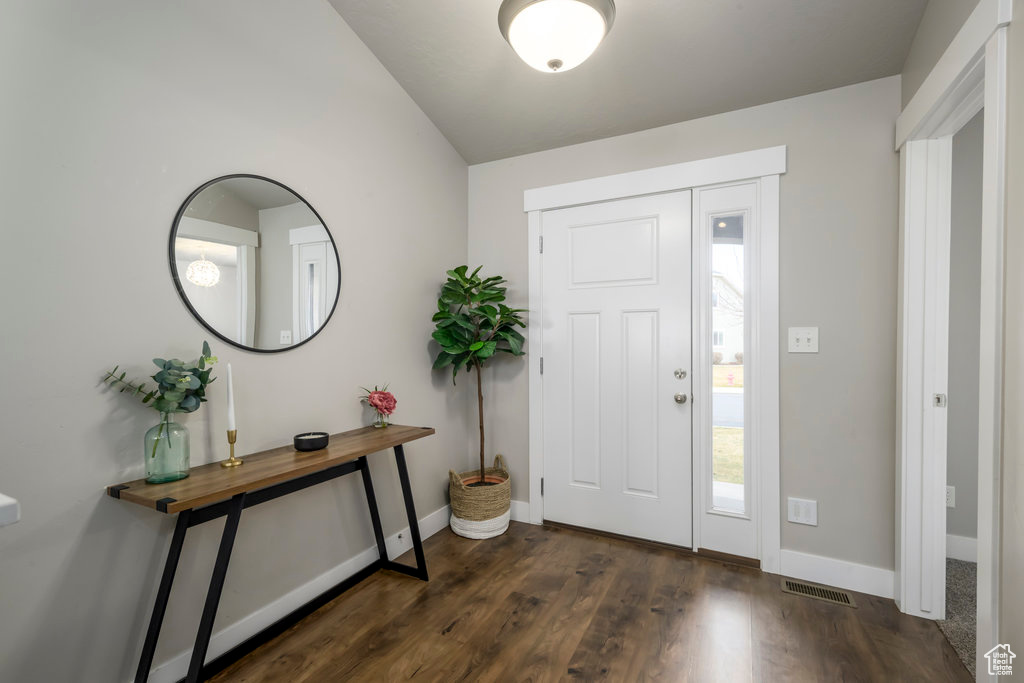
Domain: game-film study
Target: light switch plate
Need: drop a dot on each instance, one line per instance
(803, 340)
(286, 336)
(803, 511)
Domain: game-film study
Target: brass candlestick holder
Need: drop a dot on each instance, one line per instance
(232, 461)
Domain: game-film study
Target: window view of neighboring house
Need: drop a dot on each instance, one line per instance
(726, 320)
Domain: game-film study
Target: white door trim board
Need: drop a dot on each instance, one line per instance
(175, 668)
(953, 77)
(927, 125)
(763, 165)
(990, 379)
(962, 548)
(723, 169)
(839, 573)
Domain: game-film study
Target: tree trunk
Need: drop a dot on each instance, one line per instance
(480, 409)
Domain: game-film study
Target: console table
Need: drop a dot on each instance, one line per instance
(211, 491)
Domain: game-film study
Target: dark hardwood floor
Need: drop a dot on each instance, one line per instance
(545, 604)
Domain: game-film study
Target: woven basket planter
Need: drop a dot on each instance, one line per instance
(481, 511)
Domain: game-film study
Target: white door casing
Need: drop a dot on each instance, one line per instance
(313, 279)
(616, 331)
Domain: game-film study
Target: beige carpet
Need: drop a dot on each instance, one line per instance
(960, 626)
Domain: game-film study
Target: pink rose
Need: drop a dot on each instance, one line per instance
(382, 401)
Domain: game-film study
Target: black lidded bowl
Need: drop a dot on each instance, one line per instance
(311, 441)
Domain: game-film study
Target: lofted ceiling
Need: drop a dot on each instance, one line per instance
(664, 61)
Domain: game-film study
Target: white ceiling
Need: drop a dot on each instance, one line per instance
(258, 193)
(664, 61)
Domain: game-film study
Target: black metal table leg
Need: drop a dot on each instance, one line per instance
(220, 570)
(410, 511)
(162, 595)
(371, 500)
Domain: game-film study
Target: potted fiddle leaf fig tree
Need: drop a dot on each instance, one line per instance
(473, 326)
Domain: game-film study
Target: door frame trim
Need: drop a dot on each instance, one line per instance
(762, 165)
(971, 74)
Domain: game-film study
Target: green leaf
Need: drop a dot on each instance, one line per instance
(444, 337)
(159, 362)
(514, 340)
(486, 350)
(206, 349)
(443, 359)
(489, 312)
(476, 346)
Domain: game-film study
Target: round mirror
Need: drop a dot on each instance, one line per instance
(254, 263)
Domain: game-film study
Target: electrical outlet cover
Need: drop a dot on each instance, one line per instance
(803, 511)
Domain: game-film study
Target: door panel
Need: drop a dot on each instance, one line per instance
(616, 279)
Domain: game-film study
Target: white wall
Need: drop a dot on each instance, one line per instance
(114, 110)
(838, 271)
(964, 323)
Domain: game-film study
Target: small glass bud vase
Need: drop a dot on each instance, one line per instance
(380, 420)
(166, 451)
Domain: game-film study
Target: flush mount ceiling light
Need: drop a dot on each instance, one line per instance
(555, 35)
(202, 272)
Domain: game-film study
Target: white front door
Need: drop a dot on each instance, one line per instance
(616, 367)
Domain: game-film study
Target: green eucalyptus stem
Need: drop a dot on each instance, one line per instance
(164, 419)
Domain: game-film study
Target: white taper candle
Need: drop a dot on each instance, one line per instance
(231, 402)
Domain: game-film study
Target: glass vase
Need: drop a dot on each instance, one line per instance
(166, 451)
(380, 421)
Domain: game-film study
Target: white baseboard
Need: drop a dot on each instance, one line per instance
(839, 573)
(520, 511)
(176, 668)
(962, 548)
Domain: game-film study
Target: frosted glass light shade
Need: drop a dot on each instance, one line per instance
(203, 273)
(555, 35)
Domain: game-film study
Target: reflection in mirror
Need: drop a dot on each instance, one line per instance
(254, 263)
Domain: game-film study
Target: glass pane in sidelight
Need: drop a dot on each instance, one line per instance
(727, 342)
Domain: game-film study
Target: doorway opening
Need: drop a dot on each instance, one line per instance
(969, 78)
(960, 625)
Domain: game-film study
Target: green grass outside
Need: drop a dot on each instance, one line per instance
(728, 454)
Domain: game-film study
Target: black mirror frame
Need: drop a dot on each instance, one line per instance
(172, 262)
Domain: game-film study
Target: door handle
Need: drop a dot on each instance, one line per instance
(680, 398)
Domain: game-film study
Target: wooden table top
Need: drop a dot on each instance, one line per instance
(207, 484)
